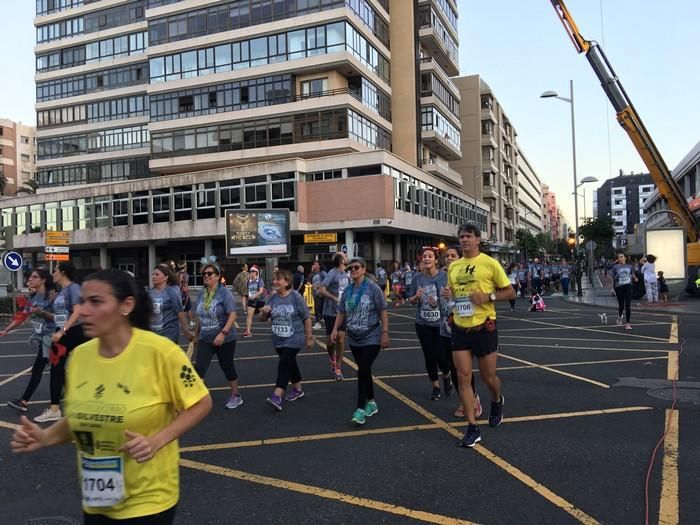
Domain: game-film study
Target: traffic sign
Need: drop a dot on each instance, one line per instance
(57, 238)
(56, 257)
(56, 249)
(12, 261)
(344, 248)
(591, 245)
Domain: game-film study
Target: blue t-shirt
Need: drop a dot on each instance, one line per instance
(213, 319)
(362, 306)
(396, 277)
(565, 270)
(167, 304)
(522, 275)
(254, 286)
(536, 271)
(335, 282)
(622, 274)
(41, 326)
(428, 311)
(408, 277)
(64, 303)
(288, 315)
(381, 277)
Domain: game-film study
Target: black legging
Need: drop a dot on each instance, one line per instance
(512, 301)
(364, 357)
(433, 350)
(624, 300)
(162, 518)
(37, 372)
(72, 338)
(287, 369)
(225, 353)
(447, 348)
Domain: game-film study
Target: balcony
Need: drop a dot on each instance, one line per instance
(429, 64)
(442, 170)
(437, 41)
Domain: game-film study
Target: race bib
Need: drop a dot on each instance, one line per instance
(282, 330)
(464, 307)
(157, 314)
(624, 279)
(430, 315)
(102, 481)
(60, 319)
(38, 326)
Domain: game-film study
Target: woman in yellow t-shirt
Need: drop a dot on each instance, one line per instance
(130, 394)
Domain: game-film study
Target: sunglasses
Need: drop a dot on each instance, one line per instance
(354, 267)
(208, 274)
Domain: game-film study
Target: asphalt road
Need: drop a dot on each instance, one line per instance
(573, 446)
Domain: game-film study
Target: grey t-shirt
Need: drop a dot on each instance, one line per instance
(565, 271)
(63, 305)
(622, 274)
(362, 306)
(317, 280)
(41, 327)
(428, 311)
(167, 304)
(213, 319)
(288, 315)
(335, 282)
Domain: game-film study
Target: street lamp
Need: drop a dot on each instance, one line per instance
(585, 180)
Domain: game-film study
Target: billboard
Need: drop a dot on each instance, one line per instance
(669, 245)
(257, 232)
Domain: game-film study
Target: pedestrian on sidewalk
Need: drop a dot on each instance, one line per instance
(362, 310)
(623, 276)
(650, 279)
(291, 329)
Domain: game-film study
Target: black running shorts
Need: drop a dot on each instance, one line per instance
(330, 323)
(480, 343)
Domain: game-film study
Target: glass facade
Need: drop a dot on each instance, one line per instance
(94, 172)
(108, 49)
(47, 7)
(431, 119)
(431, 85)
(102, 111)
(118, 139)
(429, 18)
(91, 82)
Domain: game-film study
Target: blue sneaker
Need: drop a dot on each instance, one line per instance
(358, 417)
(294, 394)
(371, 408)
(496, 414)
(234, 402)
(471, 437)
(274, 401)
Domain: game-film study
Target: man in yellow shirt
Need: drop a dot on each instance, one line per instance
(476, 281)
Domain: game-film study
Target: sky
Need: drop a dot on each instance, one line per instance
(521, 50)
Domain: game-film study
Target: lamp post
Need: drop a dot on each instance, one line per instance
(584, 180)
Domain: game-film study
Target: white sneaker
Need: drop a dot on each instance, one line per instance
(619, 321)
(317, 326)
(48, 415)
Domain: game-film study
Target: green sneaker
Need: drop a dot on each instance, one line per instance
(359, 417)
(371, 408)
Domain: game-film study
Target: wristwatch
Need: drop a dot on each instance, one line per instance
(492, 297)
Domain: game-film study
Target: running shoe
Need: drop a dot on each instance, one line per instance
(496, 414)
(359, 416)
(234, 402)
(274, 401)
(338, 375)
(247, 334)
(447, 384)
(294, 394)
(371, 408)
(333, 367)
(17, 405)
(471, 437)
(628, 326)
(478, 409)
(317, 326)
(460, 412)
(619, 321)
(435, 395)
(48, 415)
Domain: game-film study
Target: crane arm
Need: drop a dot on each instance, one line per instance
(630, 121)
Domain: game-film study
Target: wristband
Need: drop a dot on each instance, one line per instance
(225, 332)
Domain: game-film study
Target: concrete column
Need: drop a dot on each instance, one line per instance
(376, 248)
(151, 261)
(104, 262)
(397, 248)
(349, 241)
(208, 250)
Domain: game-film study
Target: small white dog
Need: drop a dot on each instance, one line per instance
(603, 318)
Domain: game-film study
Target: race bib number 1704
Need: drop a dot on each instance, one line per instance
(102, 481)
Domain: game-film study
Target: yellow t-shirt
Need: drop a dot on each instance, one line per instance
(465, 276)
(139, 390)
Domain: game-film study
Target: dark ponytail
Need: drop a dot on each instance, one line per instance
(44, 274)
(123, 286)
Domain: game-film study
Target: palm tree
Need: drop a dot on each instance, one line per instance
(30, 186)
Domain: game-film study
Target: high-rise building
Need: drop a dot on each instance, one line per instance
(156, 116)
(622, 199)
(17, 155)
(552, 214)
(530, 214)
(489, 159)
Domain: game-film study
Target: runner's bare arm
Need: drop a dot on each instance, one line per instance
(325, 293)
(30, 437)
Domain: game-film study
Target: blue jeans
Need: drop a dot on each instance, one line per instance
(565, 285)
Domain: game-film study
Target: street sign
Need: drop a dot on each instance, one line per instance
(320, 238)
(344, 248)
(320, 248)
(12, 261)
(57, 238)
(56, 249)
(591, 245)
(56, 257)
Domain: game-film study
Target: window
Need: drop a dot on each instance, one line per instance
(230, 194)
(161, 205)
(206, 200)
(182, 198)
(313, 87)
(139, 207)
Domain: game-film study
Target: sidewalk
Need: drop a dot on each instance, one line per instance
(603, 297)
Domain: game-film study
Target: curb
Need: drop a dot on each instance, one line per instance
(637, 309)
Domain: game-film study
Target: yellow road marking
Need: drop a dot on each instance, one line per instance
(553, 326)
(595, 349)
(672, 371)
(554, 370)
(673, 336)
(15, 376)
(668, 506)
(539, 338)
(333, 495)
(9, 426)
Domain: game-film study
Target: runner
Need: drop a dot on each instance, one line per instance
(397, 283)
(425, 293)
(40, 306)
(332, 289)
(623, 275)
(477, 281)
(363, 304)
(381, 276)
(523, 278)
(216, 313)
(556, 275)
(316, 278)
(127, 414)
(167, 305)
(565, 276)
(255, 298)
(408, 275)
(514, 282)
(184, 283)
(536, 271)
(290, 321)
(547, 275)
(446, 303)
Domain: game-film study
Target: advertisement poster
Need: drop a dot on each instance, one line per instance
(257, 232)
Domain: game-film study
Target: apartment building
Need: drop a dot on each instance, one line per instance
(530, 214)
(489, 160)
(17, 155)
(156, 116)
(622, 199)
(551, 213)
